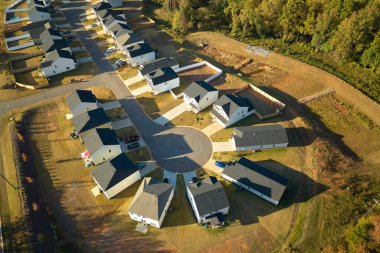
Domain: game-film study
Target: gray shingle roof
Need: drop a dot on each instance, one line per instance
(157, 64)
(80, 96)
(139, 49)
(51, 45)
(100, 6)
(37, 25)
(151, 198)
(162, 75)
(198, 90)
(119, 28)
(45, 35)
(209, 195)
(231, 103)
(90, 119)
(55, 55)
(100, 137)
(126, 39)
(111, 18)
(112, 172)
(258, 178)
(260, 135)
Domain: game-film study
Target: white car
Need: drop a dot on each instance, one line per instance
(110, 49)
(120, 62)
(94, 25)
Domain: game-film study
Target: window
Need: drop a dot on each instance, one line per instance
(53, 71)
(104, 159)
(109, 150)
(55, 66)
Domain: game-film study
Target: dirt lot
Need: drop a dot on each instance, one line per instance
(293, 77)
(228, 83)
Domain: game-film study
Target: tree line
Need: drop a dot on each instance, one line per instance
(347, 30)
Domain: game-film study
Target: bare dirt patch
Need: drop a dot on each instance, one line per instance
(228, 83)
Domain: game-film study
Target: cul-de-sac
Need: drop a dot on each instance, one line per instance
(189, 126)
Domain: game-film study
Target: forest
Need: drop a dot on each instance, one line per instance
(340, 36)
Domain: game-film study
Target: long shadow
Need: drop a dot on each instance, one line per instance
(247, 207)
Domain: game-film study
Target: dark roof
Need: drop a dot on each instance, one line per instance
(111, 18)
(230, 103)
(128, 38)
(258, 178)
(151, 198)
(101, 6)
(98, 138)
(80, 96)
(162, 75)
(39, 9)
(157, 64)
(103, 13)
(33, 3)
(90, 119)
(43, 24)
(55, 55)
(51, 45)
(260, 135)
(139, 49)
(45, 35)
(112, 172)
(119, 28)
(209, 195)
(198, 90)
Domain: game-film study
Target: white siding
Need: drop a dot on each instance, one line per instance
(224, 211)
(83, 107)
(162, 87)
(143, 58)
(250, 189)
(269, 146)
(39, 16)
(123, 185)
(207, 100)
(59, 66)
(105, 153)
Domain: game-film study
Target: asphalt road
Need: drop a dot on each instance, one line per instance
(176, 149)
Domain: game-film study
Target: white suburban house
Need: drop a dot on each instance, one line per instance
(207, 198)
(125, 40)
(229, 109)
(37, 13)
(35, 29)
(88, 120)
(116, 29)
(81, 101)
(112, 20)
(50, 34)
(151, 66)
(115, 175)
(58, 61)
(151, 202)
(256, 179)
(200, 95)
(260, 137)
(102, 144)
(140, 53)
(162, 80)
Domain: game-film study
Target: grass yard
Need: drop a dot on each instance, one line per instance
(106, 46)
(18, 42)
(228, 83)
(34, 61)
(81, 54)
(137, 85)
(89, 22)
(138, 155)
(31, 78)
(103, 94)
(75, 43)
(116, 114)
(102, 37)
(84, 71)
(125, 132)
(188, 118)
(127, 72)
(157, 105)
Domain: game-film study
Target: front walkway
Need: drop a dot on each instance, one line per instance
(210, 165)
(223, 146)
(211, 129)
(168, 116)
(133, 80)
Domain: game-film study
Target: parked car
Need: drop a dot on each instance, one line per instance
(94, 25)
(133, 146)
(220, 164)
(110, 49)
(120, 62)
(132, 138)
(140, 165)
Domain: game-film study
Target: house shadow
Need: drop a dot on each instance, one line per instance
(301, 136)
(246, 208)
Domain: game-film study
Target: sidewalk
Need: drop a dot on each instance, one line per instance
(211, 129)
(139, 91)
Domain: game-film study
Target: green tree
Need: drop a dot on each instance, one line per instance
(371, 56)
(358, 236)
(292, 19)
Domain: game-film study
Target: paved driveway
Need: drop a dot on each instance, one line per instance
(223, 146)
(177, 149)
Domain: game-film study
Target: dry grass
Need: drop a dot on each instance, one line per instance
(138, 155)
(125, 132)
(127, 72)
(103, 94)
(188, 118)
(31, 78)
(84, 71)
(156, 105)
(228, 83)
(116, 114)
(197, 74)
(34, 61)
(137, 85)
